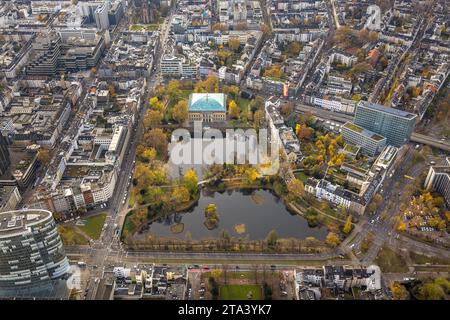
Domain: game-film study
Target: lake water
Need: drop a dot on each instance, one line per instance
(257, 212)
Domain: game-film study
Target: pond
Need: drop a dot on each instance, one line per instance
(248, 214)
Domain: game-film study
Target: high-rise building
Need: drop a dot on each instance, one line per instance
(45, 54)
(32, 253)
(115, 13)
(101, 16)
(4, 155)
(394, 124)
(438, 179)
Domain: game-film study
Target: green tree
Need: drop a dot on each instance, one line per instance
(272, 238)
(431, 291)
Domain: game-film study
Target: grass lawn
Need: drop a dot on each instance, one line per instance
(144, 27)
(94, 225)
(70, 235)
(233, 274)
(242, 103)
(131, 200)
(185, 94)
(301, 176)
(421, 259)
(389, 261)
(239, 292)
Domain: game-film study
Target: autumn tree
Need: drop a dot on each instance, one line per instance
(287, 108)
(376, 201)
(155, 104)
(180, 194)
(210, 84)
(332, 239)
(343, 36)
(250, 176)
(303, 132)
(144, 176)
(233, 91)
(44, 156)
(363, 35)
(223, 56)
(145, 154)
(265, 29)
(256, 104)
(173, 89)
(234, 43)
(399, 292)
(241, 26)
(190, 181)
(152, 118)
(258, 118)
(180, 111)
(293, 49)
(212, 218)
(112, 90)
(219, 27)
(156, 138)
(233, 110)
(296, 188)
(274, 71)
(348, 225)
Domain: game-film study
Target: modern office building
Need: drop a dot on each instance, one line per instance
(4, 155)
(396, 125)
(370, 142)
(9, 198)
(177, 65)
(207, 107)
(101, 16)
(115, 13)
(32, 253)
(45, 54)
(438, 179)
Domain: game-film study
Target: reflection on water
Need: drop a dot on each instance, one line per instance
(243, 213)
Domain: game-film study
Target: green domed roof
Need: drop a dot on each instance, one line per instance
(207, 102)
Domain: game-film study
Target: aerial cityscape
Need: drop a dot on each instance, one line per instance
(224, 150)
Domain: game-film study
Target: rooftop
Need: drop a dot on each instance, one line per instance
(379, 107)
(364, 132)
(19, 220)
